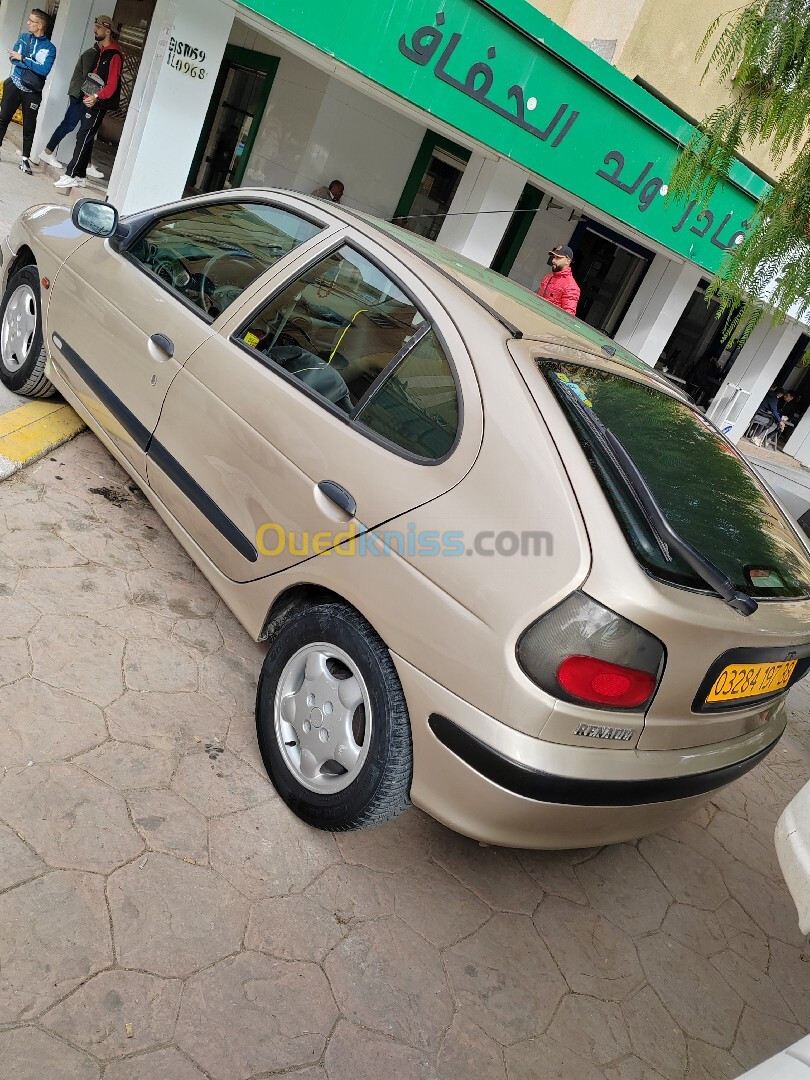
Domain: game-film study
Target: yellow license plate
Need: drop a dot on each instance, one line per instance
(750, 680)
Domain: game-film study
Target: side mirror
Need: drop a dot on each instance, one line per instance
(95, 217)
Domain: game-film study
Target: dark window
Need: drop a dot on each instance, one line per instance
(337, 327)
(210, 254)
(707, 492)
(416, 407)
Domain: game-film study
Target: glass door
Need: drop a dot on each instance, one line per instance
(439, 183)
(431, 186)
(608, 274)
(236, 110)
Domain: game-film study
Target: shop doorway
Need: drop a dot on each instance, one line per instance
(696, 354)
(609, 269)
(431, 186)
(131, 21)
(232, 123)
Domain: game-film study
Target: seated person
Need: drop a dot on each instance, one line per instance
(774, 407)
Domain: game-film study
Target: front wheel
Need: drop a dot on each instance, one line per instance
(22, 348)
(332, 721)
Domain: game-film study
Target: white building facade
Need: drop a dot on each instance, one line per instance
(481, 124)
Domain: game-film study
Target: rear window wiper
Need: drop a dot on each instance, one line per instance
(666, 536)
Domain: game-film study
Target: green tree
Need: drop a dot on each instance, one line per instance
(763, 49)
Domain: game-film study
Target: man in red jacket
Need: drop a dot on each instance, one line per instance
(106, 96)
(559, 286)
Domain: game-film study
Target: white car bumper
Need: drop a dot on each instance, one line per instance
(792, 841)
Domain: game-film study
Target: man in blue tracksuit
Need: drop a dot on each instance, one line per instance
(31, 59)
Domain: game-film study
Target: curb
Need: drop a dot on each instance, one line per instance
(32, 430)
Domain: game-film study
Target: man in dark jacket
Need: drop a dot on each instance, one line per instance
(84, 65)
(108, 70)
(31, 60)
(775, 408)
(559, 287)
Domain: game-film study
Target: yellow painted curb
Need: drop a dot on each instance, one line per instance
(32, 430)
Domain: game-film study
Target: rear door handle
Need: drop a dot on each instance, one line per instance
(339, 496)
(163, 343)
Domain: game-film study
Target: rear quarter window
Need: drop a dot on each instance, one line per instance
(706, 490)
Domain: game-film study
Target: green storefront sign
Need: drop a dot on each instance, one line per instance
(514, 81)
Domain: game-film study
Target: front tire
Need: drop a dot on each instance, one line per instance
(332, 722)
(22, 348)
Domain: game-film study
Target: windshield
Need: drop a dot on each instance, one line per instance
(704, 488)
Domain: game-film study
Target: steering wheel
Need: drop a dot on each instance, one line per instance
(208, 290)
(171, 270)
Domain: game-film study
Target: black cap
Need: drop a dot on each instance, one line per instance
(562, 249)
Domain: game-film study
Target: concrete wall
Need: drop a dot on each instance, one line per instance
(316, 129)
(657, 40)
(555, 9)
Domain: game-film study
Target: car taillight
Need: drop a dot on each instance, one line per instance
(601, 683)
(585, 653)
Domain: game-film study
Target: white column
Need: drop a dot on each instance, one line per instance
(493, 185)
(72, 34)
(660, 301)
(752, 376)
(798, 445)
(12, 20)
(169, 105)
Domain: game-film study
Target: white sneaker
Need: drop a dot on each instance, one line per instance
(756, 440)
(97, 174)
(50, 159)
(70, 181)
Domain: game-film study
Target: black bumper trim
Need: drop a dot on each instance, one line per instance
(143, 439)
(139, 434)
(199, 497)
(569, 791)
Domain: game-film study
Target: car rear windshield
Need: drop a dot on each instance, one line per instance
(705, 489)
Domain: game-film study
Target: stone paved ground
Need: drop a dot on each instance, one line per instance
(163, 916)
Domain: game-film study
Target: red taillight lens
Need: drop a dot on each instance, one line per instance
(601, 683)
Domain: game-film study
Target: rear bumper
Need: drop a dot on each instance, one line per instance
(542, 786)
(498, 785)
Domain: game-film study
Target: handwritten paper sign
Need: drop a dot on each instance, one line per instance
(562, 114)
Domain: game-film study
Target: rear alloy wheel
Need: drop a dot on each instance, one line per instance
(332, 721)
(22, 349)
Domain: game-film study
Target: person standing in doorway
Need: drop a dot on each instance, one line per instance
(105, 95)
(333, 193)
(559, 287)
(31, 60)
(75, 110)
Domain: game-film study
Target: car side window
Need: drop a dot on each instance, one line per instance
(336, 327)
(210, 254)
(416, 406)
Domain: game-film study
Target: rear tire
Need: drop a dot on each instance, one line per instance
(22, 348)
(332, 721)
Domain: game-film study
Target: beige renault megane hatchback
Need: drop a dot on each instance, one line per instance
(503, 570)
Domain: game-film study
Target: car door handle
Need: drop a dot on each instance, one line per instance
(163, 343)
(339, 496)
